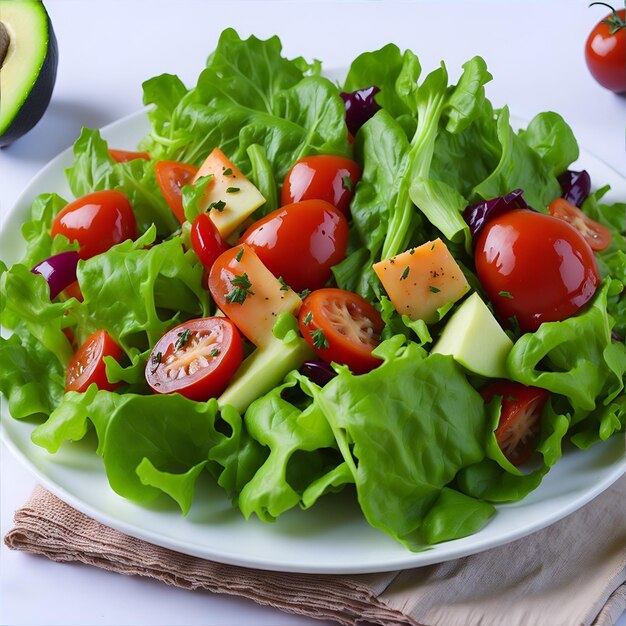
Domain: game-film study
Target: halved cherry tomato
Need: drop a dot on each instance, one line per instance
(341, 326)
(322, 177)
(171, 177)
(596, 235)
(87, 366)
(605, 50)
(122, 156)
(97, 221)
(535, 268)
(520, 417)
(300, 242)
(206, 240)
(195, 359)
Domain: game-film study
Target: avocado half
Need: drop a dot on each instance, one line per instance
(28, 66)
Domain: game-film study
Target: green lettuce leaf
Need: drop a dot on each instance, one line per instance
(95, 170)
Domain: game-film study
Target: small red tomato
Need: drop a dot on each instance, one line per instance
(97, 221)
(341, 326)
(87, 366)
(123, 156)
(300, 242)
(195, 359)
(520, 417)
(206, 240)
(535, 268)
(596, 235)
(605, 50)
(171, 177)
(322, 177)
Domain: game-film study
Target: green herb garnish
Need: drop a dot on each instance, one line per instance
(319, 339)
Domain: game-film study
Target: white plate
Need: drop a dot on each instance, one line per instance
(333, 537)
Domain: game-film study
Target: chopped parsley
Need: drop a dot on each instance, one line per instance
(405, 273)
(319, 339)
(218, 205)
(228, 172)
(347, 183)
(183, 337)
(156, 361)
(232, 189)
(239, 255)
(214, 352)
(307, 319)
(433, 289)
(304, 293)
(284, 285)
(505, 294)
(241, 289)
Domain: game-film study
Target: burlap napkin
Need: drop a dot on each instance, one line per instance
(571, 573)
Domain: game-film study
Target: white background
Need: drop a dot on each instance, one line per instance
(533, 48)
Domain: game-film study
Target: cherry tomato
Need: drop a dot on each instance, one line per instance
(300, 242)
(97, 221)
(596, 235)
(341, 326)
(605, 50)
(195, 359)
(171, 177)
(520, 417)
(87, 365)
(206, 240)
(322, 177)
(122, 156)
(535, 268)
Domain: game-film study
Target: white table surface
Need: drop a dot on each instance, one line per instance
(534, 49)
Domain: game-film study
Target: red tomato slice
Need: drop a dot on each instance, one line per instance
(300, 242)
(596, 235)
(322, 177)
(535, 268)
(343, 327)
(87, 366)
(97, 221)
(520, 417)
(206, 240)
(122, 156)
(195, 359)
(171, 177)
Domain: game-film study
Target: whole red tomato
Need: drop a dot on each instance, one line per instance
(322, 177)
(300, 242)
(535, 268)
(605, 51)
(97, 221)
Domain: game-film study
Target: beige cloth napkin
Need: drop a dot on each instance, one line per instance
(572, 573)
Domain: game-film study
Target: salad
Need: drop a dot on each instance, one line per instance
(298, 287)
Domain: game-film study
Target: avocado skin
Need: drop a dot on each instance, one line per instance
(38, 99)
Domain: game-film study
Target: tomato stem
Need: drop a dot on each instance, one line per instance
(614, 20)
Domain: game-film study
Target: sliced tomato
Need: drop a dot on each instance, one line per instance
(195, 359)
(206, 240)
(341, 326)
(171, 177)
(97, 221)
(596, 235)
(87, 366)
(520, 417)
(322, 177)
(122, 156)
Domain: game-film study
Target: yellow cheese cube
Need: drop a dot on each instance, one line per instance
(230, 197)
(422, 280)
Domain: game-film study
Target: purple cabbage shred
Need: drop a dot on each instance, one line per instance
(575, 186)
(360, 106)
(477, 215)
